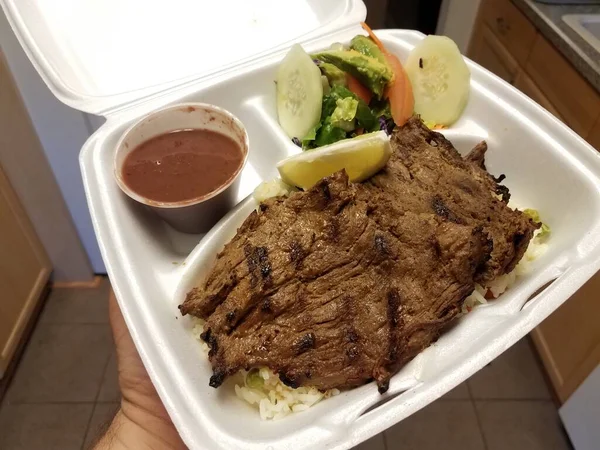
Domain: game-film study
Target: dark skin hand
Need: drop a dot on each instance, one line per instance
(142, 423)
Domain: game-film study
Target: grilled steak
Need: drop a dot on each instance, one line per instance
(427, 175)
(345, 283)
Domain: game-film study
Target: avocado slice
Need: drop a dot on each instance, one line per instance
(364, 116)
(366, 46)
(344, 114)
(335, 76)
(369, 71)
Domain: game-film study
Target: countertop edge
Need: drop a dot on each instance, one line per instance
(582, 62)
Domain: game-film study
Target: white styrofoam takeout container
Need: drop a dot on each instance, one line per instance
(548, 167)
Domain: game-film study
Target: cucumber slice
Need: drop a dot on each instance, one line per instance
(440, 80)
(299, 93)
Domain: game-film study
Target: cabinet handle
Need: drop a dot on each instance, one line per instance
(502, 25)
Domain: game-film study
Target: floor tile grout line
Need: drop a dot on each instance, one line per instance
(384, 433)
(87, 428)
(477, 418)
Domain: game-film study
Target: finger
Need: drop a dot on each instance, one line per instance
(119, 327)
(132, 373)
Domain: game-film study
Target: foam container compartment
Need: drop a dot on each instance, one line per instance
(548, 167)
(151, 266)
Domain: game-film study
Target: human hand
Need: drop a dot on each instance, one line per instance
(142, 421)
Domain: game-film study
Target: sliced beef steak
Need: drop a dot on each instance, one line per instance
(426, 173)
(345, 283)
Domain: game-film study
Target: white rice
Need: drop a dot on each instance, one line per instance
(273, 399)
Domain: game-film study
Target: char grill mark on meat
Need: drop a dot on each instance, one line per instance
(297, 254)
(258, 265)
(440, 208)
(345, 283)
(382, 374)
(217, 378)
(305, 343)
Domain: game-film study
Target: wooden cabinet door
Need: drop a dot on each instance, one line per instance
(24, 271)
(530, 89)
(487, 50)
(575, 99)
(514, 30)
(594, 137)
(569, 340)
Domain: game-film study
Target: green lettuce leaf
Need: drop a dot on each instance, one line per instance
(350, 113)
(329, 133)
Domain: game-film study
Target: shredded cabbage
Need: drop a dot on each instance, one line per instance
(534, 215)
(254, 380)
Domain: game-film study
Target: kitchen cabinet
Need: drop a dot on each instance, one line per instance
(491, 54)
(24, 264)
(513, 30)
(594, 137)
(508, 44)
(578, 102)
(569, 340)
(529, 88)
(24, 272)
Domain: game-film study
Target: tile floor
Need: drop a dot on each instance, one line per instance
(65, 390)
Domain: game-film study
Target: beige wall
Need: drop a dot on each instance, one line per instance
(457, 19)
(25, 164)
(61, 131)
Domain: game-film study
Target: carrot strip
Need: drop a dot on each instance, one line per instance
(357, 88)
(378, 43)
(399, 92)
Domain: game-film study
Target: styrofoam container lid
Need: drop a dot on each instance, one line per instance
(97, 56)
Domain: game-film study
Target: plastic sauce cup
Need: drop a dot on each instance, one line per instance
(199, 214)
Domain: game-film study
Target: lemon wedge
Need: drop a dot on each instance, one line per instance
(362, 157)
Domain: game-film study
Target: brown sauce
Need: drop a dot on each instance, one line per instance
(182, 165)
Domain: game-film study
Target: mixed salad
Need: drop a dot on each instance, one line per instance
(347, 91)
